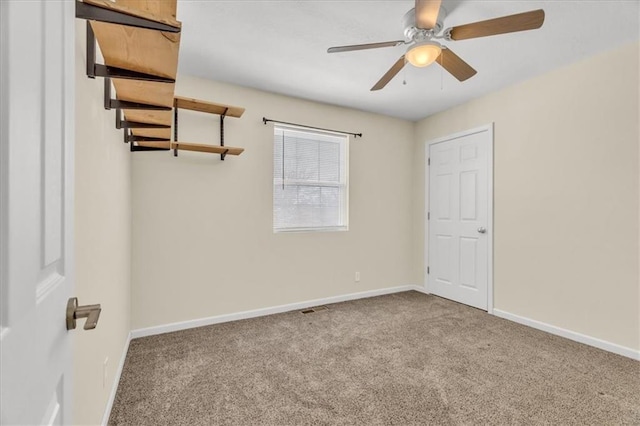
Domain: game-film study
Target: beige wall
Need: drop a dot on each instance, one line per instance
(566, 194)
(203, 243)
(103, 242)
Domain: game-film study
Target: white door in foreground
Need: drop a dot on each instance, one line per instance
(459, 220)
(36, 205)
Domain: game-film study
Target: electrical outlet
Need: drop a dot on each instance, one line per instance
(105, 366)
(357, 278)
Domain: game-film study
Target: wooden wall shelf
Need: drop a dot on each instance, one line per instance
(208, 107)
(159, 145)
(222, 110)
(140, 42)
(213, 149)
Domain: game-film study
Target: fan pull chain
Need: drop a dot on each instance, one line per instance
(283, 160)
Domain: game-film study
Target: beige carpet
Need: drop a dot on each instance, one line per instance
(400, 359)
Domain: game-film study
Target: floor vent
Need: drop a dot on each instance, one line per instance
(314, 309)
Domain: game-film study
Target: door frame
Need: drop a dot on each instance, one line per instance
(4, 161)
(489, 128)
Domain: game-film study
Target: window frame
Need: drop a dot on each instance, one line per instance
(344, 174)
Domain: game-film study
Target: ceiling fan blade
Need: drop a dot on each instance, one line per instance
(364, 46)
(427, 13)
(506, 24)
(395, 69)
(455, 66)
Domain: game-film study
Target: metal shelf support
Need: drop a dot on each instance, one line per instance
(95, 13)
(175, 130)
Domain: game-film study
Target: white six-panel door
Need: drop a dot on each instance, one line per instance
(36, 206)
(459, 217)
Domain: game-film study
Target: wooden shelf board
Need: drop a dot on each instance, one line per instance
(208, 107)
(153, 133)
(137, 49)
(151, 117)
(163, 11)
(165, 145)
(213, 149)
(146, 92)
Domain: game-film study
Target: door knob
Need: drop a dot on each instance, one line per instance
(90, 312)
(482, 230)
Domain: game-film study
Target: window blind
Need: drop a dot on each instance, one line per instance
(309, 180)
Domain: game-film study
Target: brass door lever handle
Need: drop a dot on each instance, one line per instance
(90, 312)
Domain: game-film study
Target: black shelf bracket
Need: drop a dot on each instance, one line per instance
(175, 127)
(224, 154)
(128, 137)
(91, 50)
(118, 104)
(132, 139)
(124, 124)
(96, 13)
(135, 148)
(99, 70)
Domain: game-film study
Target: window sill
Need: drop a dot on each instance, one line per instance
(312, 230)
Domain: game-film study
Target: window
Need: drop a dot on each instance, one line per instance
(310, 187)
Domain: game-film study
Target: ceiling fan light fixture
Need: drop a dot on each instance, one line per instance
(424, 53)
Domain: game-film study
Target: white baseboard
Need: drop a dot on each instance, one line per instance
(571, 335)
(116, 381)
(421, 289)
(176, 326)
(184, 325)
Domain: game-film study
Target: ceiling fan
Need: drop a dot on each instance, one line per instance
(423, 27)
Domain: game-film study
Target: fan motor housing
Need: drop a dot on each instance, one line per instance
(411, 32)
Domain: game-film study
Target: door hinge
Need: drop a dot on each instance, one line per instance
(428, 215)
(427, 269)
(429, 161)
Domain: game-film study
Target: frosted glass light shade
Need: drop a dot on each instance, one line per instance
(423, 54)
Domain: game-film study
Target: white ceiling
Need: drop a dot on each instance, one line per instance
(280, 46)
